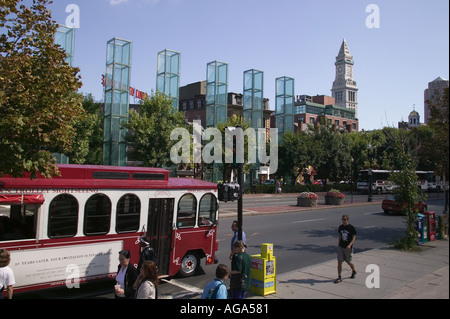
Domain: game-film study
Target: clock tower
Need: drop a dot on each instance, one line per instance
(344, 88)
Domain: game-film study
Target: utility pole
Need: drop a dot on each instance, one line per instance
(240, 200)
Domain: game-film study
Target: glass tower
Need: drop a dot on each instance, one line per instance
(216, 93)
(64, 36)
(117, 87)
(253, 98)
(168, 75)
(284, 104)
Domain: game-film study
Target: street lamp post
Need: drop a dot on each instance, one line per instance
(370, 173)
(239, 166)
(351, 180)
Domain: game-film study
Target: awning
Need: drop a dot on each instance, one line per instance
(37, 199)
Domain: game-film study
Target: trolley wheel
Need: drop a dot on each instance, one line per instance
(188, 265)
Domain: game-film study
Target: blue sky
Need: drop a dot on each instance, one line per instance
(295, 38)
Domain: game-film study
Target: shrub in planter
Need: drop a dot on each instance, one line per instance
(307, 199)
(334, 197)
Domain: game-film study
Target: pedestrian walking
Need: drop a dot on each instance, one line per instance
(278, 187)
(147, 284)
(347, 237)
(240, 271)
(217, 288)
(126, 276)
(7, 280)
(235, 229)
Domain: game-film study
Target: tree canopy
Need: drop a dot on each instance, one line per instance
(39, 105)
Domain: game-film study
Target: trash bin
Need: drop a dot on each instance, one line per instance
(431, 218)
(422, 228)
(263, 274)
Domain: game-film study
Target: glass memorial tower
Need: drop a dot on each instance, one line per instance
(168, 75)
(284, 105)
(216, 93)
(253, 98)
(117, 88)
(64, 36)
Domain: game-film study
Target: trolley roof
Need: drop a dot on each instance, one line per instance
(106, 177)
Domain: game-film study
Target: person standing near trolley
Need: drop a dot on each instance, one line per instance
(7, 280)
(347, 237)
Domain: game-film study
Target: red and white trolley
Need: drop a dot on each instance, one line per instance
(72, 227)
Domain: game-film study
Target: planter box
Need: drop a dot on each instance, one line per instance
(333, 201)
(306, 202)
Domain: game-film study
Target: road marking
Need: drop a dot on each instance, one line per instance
(182, 285)
(309, 220)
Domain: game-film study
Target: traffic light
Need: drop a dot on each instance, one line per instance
(229, 192)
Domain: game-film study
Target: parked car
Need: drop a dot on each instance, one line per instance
(389, 205)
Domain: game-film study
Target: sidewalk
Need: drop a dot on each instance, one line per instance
(356, 200)
(403, 275)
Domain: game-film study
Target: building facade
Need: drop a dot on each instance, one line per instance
(438, 85)
(312, 110)
(193, 104)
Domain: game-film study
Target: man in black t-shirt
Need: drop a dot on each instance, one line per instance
(347, 236)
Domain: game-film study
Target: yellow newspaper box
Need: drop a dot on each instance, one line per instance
(263, 274)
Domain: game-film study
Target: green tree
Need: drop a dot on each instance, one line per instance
(87, 143)
(406, 192)
(297, 152)
(335, 158)
(225, 167)
(149, 130)
(39, 105)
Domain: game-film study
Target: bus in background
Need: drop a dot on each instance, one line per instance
(429, 182)
(426, 181)
(380, 181)
(72, 228)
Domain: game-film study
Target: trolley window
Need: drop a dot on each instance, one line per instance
(18, 222)
(128, 214)
(208, 209)
(63, 216)
(97, 215)
(187, 208)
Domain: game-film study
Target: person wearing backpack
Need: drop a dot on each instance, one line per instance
(217, 288)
